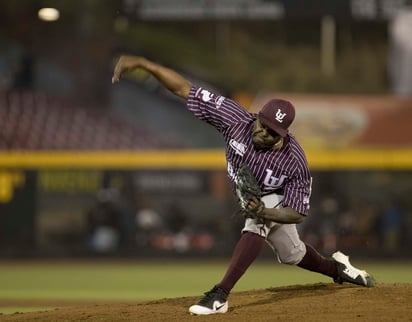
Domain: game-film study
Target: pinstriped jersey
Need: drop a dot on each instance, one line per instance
(282, 171)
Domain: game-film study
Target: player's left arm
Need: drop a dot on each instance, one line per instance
(285, 215)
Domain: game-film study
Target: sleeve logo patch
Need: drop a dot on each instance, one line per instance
(205, 95)
(219, 101)
(239, 148)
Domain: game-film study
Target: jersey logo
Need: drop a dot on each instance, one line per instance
(205, 95)
(239, 148)
(271, 182)
(280, 116)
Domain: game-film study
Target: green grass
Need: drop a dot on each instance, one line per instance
(14, 309)
(135, 280)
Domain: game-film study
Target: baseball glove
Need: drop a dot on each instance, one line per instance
(247, 188)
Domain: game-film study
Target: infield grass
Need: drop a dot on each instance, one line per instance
(101, 281)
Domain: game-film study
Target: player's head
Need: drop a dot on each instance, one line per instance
(272, 124)
(277, 115)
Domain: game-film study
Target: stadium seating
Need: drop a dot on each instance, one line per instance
(37, 121)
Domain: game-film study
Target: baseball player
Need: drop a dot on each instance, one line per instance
(261, 141)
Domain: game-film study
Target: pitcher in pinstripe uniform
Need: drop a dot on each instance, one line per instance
(279, 164)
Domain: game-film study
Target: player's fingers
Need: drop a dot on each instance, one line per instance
(115, 79)
(117, 71)
(253, 203)
(256, 205)
(116, 74)
(261, 208)
(255, 200)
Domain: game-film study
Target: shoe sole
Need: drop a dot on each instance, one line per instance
(343, 259)
(200, 310)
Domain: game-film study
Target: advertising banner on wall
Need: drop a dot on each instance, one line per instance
(261, 9)
(347, 121)
(17, 210)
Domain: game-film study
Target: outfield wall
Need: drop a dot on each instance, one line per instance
(179, 203)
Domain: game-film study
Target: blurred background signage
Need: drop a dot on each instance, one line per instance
(197, 9)
(261, 9)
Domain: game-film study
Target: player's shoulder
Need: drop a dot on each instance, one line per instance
(296, 150)
(293, 142)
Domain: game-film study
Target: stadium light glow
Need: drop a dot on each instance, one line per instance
(48, 14)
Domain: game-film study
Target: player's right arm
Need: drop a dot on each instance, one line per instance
(170, 79)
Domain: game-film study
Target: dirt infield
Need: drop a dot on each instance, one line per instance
(312, 302)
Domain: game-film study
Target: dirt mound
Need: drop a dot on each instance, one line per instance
(312, 302)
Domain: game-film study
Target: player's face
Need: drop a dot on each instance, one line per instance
(263, 137)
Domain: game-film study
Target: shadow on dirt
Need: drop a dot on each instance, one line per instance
(279, 294)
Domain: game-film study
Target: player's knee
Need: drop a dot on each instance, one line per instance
(292, 257)
(290, 260)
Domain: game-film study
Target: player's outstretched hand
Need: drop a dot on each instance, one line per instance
(125, 64)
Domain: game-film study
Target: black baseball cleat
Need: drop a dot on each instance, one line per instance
(350, 274)
(214, 301)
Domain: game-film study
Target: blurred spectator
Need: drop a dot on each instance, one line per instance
(329, 209)
(177, 222)
(148, 223)
(391, 227)
(347, 224)
(369, 226)
(367, 215)
(176, 219)
(103, 228)
(320, 228)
